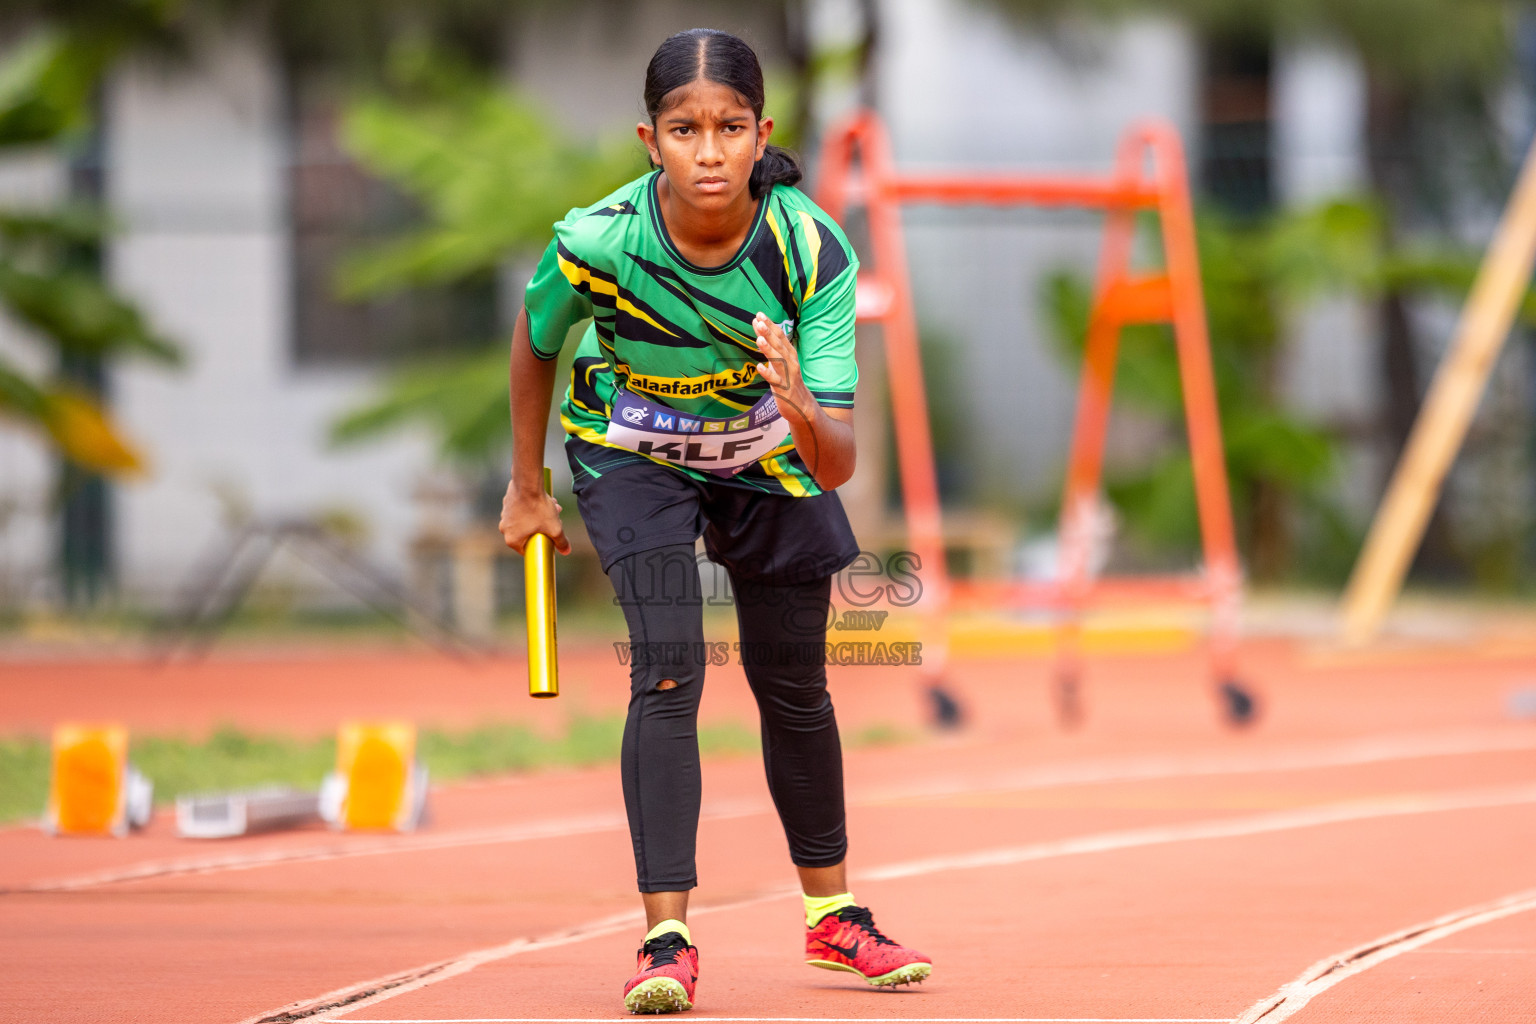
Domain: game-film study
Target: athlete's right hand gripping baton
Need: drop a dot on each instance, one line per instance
(539, 597)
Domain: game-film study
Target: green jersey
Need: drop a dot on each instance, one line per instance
(678, 337)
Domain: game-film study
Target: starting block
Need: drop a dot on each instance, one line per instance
(225, 815)
(378, 783)
(93, 790)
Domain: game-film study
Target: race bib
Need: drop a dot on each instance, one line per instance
(723, 447)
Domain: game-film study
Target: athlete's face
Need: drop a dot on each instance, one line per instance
(706, 140)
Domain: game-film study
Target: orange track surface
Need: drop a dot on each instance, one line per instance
(1151, 865)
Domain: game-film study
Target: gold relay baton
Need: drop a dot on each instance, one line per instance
(539, 598)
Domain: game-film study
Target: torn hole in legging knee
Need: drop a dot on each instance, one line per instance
(664, 680)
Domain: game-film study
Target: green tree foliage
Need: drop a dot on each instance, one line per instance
(45, 286)
(491, 172)
(353, 35)
(492, 175)
(462, 401)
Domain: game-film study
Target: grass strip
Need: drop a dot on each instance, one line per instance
(232, 759)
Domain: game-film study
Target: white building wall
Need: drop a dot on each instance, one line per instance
(1319, 111)
(1319, 95)
(960, 87)
(197, 161)
(1330, 372)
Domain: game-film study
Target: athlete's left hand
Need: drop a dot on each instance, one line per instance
(781, 366)
(823, 437)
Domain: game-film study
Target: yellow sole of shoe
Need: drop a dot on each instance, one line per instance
(907, 975)
(658, 995)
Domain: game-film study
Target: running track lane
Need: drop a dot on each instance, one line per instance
(310, 903)
(762, 984)
(1274, 823)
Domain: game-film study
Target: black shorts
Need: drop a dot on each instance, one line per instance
(769, 538)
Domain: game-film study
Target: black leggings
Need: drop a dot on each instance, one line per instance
(783, 633)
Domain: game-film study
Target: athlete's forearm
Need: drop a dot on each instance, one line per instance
(531, 387)
(825, 441)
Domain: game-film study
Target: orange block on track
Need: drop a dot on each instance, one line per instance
(87, 794)
(384, 785)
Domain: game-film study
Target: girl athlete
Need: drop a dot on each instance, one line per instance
(712, 393)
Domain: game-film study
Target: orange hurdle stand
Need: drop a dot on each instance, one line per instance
(857, 169)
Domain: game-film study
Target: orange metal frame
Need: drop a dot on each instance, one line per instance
(1149, 175)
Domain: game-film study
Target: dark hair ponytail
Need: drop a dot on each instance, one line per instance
(724, 59)
(777, 167)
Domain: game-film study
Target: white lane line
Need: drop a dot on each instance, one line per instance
(1279, 821)
(364, 994)
(1356, 752)
(342, 848)
(369, 993)
(1328, 972)
(334, 850)
(1370, 750)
